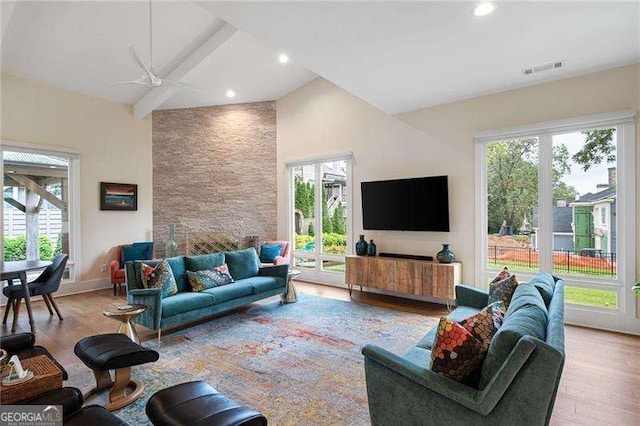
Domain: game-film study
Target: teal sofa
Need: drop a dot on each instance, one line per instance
(252, 283)
(518, 379)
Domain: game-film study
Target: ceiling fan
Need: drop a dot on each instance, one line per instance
(150, 77)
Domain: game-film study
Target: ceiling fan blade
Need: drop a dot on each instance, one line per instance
(125, 83)
(181, 85)
(136, 57)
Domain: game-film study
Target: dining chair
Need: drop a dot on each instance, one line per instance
(45, 285)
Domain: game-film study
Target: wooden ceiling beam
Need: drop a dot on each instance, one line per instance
(159, 95)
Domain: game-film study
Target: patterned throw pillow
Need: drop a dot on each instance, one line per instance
(209, 278)
(159, 276)
(502, 291)
(503, 275)
(456, 353)
(484, 324)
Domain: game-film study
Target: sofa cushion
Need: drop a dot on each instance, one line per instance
(457, 353)
(185, 302)
(132, 252)
(458, 314)
(527, 316)
(546, 284)
(526, 294)
(242, 263)
(203, 261)
(264, 283)
(159, 276)
(232, 291)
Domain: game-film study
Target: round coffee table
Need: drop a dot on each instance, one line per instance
(291, 296)
(124, 314)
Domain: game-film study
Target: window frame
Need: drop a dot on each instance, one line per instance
(74, 263)
(624, 316)
(317, 274)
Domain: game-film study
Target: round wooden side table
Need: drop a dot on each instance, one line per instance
(124, 314)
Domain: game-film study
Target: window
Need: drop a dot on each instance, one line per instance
(557, 197)
(320, 202)
(39, 199)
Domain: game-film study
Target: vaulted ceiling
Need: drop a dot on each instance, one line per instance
(398, 56)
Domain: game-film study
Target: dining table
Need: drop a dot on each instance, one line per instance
(10, 271)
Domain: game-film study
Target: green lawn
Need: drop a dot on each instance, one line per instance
(591, 297)
(558, 269)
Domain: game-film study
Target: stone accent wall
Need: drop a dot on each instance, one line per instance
(214, 168)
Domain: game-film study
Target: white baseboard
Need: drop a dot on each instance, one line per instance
(67, 289)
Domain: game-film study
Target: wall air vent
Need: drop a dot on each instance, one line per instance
(545, 67)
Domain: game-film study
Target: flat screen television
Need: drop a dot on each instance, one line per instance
(417, 204)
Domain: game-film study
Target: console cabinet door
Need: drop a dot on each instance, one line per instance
(442, 281)
(408, 278)
(382, 273)
(357, 271)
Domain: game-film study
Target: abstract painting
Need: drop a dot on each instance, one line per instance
(118, 196)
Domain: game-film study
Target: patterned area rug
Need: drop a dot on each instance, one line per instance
(297, 364)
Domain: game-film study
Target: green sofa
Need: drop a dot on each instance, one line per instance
(518, 380)
(252, 283)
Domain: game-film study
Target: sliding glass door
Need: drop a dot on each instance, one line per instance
(320, 200)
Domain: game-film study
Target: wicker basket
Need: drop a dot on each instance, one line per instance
(47, 376)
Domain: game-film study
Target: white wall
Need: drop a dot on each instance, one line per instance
(114, 147)
(320, 118)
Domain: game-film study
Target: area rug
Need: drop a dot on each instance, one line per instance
(297, 364)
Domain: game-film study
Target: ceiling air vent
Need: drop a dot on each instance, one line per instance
(545, 67)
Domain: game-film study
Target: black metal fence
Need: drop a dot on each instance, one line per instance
(590, 262)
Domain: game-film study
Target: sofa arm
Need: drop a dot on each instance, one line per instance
(281, 271)
(281, 260)
(480, 401)
(455, 391)
(471, 296)
(152, 298)
(17, 342)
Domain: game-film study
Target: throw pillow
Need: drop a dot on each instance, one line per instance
(159, 276)
(484, 324)
(268, 252)
(456, 353)
(503, 275)
(209, 278)
(502, 291)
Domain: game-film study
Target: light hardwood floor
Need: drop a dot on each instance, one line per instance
(600, 383)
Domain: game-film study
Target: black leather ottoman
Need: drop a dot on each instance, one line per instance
(94, 415)
(115, 352)
(197, 403)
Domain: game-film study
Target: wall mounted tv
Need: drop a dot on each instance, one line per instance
(418, 204)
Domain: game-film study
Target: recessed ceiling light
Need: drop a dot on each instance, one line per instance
(283, 58)
(484, 8)
(231, 94)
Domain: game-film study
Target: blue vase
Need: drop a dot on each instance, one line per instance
(361, 246)
(445, 255)
(371, 251)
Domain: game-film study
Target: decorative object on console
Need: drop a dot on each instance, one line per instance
(445, 255)
(457, 352)
(371, 250)
(361, 246)
(171, 248)
(118, 196)
(159, 276)
(502, 291)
